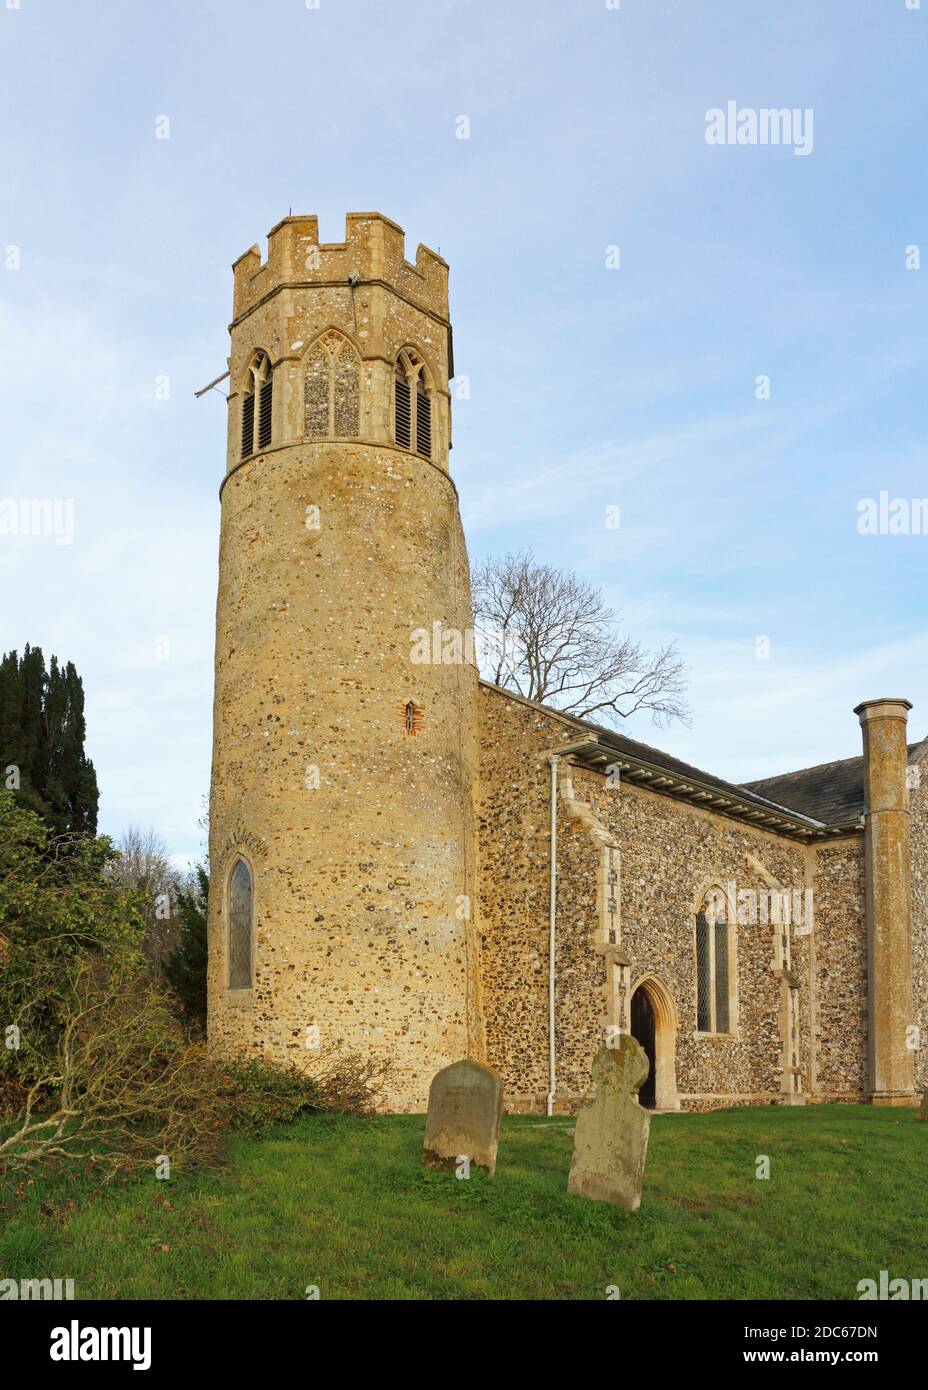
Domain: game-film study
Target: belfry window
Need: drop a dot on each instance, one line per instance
(248, 425)
(331, 389)
(423, 420)
(265, 408)
(412, 405)
(240, 915)
(713, 957)
(257, 405)
(403, 408)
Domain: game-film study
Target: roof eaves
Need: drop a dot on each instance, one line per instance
(725, 798)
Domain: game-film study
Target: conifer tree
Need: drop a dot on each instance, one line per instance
(42, 731)
(185, 967)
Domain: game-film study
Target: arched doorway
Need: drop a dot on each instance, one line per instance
(643, 1032)
(654, 1026)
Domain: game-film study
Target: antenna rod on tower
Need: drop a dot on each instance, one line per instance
(203, 392)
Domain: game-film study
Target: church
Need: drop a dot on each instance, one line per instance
(411, 863)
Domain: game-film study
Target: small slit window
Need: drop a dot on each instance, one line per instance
(413, 718)
(240, 911)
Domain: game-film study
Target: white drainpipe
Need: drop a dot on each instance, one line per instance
(582, 744)
(552, 910)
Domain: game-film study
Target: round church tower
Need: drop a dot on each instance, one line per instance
(342, 910)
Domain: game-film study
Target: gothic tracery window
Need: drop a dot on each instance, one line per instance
(713, 957)
(257, 405)
(412, 405)
(331, 389)
(240, 915)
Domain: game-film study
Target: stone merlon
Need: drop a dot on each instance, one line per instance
(374, 249)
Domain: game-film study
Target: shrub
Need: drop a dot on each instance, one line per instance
(57, 910)
(99, 1068)
(262, 1093)
(120, 1085)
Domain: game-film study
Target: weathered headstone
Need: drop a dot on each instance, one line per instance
(465, 1104)
(923, 1108)
(611, 1139)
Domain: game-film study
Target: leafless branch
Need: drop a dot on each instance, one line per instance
(550, 636)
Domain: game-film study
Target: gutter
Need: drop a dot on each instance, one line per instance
(727, 799)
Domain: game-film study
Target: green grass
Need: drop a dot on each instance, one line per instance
(345, 1204)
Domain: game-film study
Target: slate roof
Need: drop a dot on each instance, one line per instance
(830, 792)
(670, 776)
(643, 752)
(825, 797)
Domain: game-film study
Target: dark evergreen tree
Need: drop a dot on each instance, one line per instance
(185, 967)
(42, 730)
(12, 743)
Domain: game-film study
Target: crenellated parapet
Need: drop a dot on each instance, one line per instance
(373, 252)
(344, 340)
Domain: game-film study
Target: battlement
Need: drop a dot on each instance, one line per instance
(374, 249)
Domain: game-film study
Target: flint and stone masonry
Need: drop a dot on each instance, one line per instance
(381, 822)
(344, 774)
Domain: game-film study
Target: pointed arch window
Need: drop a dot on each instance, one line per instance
(257, 405)
(332, 389)
(412, 405)
(714, 944)
(240, 914)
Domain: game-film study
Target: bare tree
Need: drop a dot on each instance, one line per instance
(552, 637)
(143, 864)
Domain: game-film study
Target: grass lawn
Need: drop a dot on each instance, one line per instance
(345, 1204)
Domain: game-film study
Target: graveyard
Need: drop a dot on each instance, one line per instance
(344, 1208)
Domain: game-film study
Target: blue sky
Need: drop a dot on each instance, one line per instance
(590, 387)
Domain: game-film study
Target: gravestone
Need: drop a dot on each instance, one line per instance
(923, 1108)
(465, 1104)
(611, 1137)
